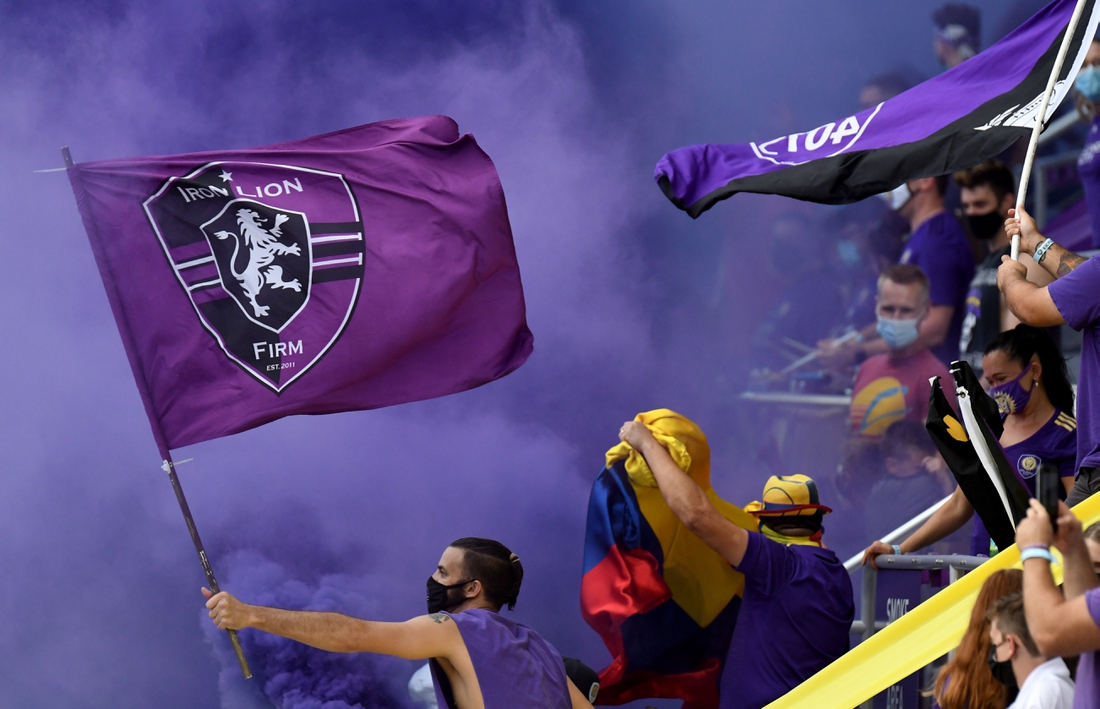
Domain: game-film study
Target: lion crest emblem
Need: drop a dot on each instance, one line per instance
(263, 256)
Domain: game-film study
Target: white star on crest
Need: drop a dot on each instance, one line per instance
(226, 176)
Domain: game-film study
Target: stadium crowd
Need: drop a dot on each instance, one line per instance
(889, 293)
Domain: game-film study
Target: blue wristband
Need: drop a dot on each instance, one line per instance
(1041, 251)
(897, 549)
(1037, 553)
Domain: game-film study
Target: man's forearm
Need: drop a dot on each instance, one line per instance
(327, 631)
(1058, 261)
(684, 497)
(692, 507)
(1042, 603)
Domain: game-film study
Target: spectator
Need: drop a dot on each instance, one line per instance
(938, 245)
(867, 243)
(881, 88)
(797, 609)
(966, 681)
(1087, 86)
(958, 34)
(860, 468)
(1073, 298)
(1069, 624)
(473, 650)
(915, 478)
(893, 386)
(1043, 681)
(988, 192)
(811, 303)
(1037, 429)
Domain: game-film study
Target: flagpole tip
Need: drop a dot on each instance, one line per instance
(67, 156)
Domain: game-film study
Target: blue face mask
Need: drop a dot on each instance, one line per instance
(1087, 83)
(849, 253)
(898, 333)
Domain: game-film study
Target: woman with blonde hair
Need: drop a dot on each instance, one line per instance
(966, 682)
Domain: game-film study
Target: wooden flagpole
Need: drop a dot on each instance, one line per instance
(170, 468)
(1040, 117)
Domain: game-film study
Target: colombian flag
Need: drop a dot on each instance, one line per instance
(663, 602)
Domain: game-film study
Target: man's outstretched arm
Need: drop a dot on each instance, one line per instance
(685, 498)
(421, 638)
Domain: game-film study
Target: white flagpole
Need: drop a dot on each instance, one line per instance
(977, 439)
(1040, 117)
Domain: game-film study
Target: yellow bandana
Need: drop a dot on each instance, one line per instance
(797, 541)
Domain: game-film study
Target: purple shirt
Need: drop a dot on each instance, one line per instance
(1077, 297)
(940, 248)
(515, 667)
(1087, 695)
(795, 617)
(1055, 442)
(1088, 167)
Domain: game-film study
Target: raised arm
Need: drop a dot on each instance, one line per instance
(421, 638)
(1077, 572)
(949, 518)
(1059, 626)
(685, 498)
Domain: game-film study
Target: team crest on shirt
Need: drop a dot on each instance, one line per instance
(1028, 465)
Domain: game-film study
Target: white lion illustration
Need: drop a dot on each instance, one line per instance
(262, 246)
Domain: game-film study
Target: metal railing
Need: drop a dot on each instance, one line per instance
(954, 563)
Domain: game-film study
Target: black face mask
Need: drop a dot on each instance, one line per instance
(439, 596)
(1002, 670)
(985, 226)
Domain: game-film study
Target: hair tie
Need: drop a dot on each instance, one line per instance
(513, 558)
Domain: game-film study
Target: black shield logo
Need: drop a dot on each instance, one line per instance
(263, 258)
(270, 256)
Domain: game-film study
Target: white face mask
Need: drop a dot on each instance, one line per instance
(897, 197)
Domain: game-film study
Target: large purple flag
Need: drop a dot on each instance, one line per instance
(358, 269)
(955, 121)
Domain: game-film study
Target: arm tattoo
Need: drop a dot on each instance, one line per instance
(439, 617)
(1068, 262)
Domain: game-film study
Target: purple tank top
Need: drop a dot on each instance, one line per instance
(515, 667)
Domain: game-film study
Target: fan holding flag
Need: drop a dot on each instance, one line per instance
(796, 610)
(1072, 299)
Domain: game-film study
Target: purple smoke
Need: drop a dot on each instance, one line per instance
(296, 676)
(633, 306)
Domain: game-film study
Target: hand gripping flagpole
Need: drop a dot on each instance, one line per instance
(170, 468)
(1040, 117)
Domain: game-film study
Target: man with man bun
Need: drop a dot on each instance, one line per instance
(479, 658)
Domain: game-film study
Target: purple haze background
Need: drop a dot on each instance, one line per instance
(633, 306)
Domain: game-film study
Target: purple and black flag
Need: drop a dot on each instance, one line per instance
(969, 446)
(354, 270)
(954, 121)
